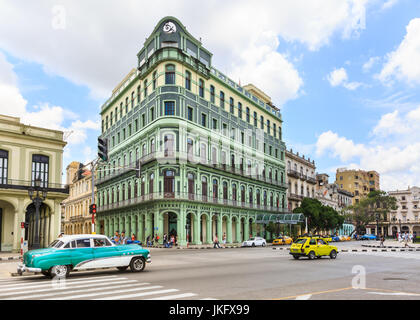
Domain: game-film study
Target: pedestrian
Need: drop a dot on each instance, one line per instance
(116, 237)
(406, 240)
(382, 241)
(410, 235)
(148, 242)
(224, 238)
(399, 237)
(133, 237)
(165, 240)
(172, 242)
(123, 238)
(216, 242)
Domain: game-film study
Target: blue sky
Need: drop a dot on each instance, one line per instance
(346, 74)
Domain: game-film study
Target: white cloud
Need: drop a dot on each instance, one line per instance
(389, 3)
(44, 115)
(393, 151)
(370, 63)
(339, 77)
(98, 43)
(403, 64)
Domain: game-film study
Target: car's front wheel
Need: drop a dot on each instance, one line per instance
(137, 264)
(253, 244)
(333, 254)
(60, 271)
(263, 244)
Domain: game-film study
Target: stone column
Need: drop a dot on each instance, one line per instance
(181, 222)
(229, 230)
(140, 228)
(159, 225)
(246, 229)
(209, 222)
(238, 230)
(220, 227)
(197, 229)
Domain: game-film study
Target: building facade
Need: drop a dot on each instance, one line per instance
(329, 194)
(358, 182)
(407, 217)
(301, 178)
(28, 153)
(77, 219)
(191, 152)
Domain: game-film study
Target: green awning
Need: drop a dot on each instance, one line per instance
(282, 218)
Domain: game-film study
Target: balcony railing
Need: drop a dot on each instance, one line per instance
(170, 196)
(188, 158)
(26, 184)
(295, 196)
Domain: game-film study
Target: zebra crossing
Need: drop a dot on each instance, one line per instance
(108, 287)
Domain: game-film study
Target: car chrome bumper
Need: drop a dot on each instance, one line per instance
(22, 268)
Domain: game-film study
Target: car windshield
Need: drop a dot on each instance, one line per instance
(301, 241)
(56, 244)
(251, 239)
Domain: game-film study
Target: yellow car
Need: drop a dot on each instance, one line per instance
(312, 247)
(278, 241)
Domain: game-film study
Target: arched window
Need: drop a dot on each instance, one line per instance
(201, 88)
(188, 80)
(169, 184)
(168, 145)
(191, 191)
(151, 183)
(234, 195)
(242, 194)
(204, 188)
(258, 197)
(251, 197)
(152, 146)
(190, 149)
(154, 80)
(4, 157)
(225, 190)
(203, 153)
(215, 189)
(214, 155)
(170, 74)
(40, 169)
(129, 190)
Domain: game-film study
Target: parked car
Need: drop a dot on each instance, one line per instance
(312, 247)
(83, 251)
(279, 241)
(253, 242)
(368, 237)
(344, 238)
(335, 238)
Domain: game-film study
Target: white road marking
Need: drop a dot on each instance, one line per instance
(76, 291)
(104, 293)
(395, 293)
(127, 296)
(50, 284)
(23, 282)
(173, 297)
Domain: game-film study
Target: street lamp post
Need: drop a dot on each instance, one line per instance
(37, 199)
(377, 225)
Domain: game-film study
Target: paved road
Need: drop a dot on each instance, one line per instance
(248, 273)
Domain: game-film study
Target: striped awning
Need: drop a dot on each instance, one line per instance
(282, 218)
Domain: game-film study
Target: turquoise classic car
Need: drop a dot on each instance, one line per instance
(81, 252)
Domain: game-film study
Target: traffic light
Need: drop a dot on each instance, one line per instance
(103, 149)
(92, 208)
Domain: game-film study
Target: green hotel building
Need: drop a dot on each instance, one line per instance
(191, 152)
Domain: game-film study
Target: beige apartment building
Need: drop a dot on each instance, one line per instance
(358, 182)
(29, 154)
(76, 216)
(301, 178)
(407, 217)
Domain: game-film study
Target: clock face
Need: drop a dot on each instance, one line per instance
(169, 27)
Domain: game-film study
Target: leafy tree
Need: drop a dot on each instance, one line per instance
(375, 207)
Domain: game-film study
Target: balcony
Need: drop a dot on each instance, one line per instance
(294, 196)
(184, 157)
(293, 173)
(196, 198)
(25, 185)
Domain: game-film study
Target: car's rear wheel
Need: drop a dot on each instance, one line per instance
(122, 268)
(60, 271)
(296, 257)
(333, 254)
(263, 244)
(137, 264)
(311, 255)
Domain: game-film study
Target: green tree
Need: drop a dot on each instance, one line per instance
(375, 207)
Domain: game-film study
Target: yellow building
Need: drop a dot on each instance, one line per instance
(76, 216)
(358, 182)
(29, 153)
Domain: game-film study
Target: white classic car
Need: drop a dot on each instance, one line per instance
(81, 252)
(253, 242)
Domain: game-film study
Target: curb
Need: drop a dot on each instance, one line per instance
(9, 258)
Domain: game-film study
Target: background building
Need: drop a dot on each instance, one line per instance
(406, 217)
(358, 182)
(329, 194)
(77, 219)
(28, 153)
(301, 178)
(192, 153)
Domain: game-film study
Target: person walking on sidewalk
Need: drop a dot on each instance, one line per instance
(216, 242)
(382, 241)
